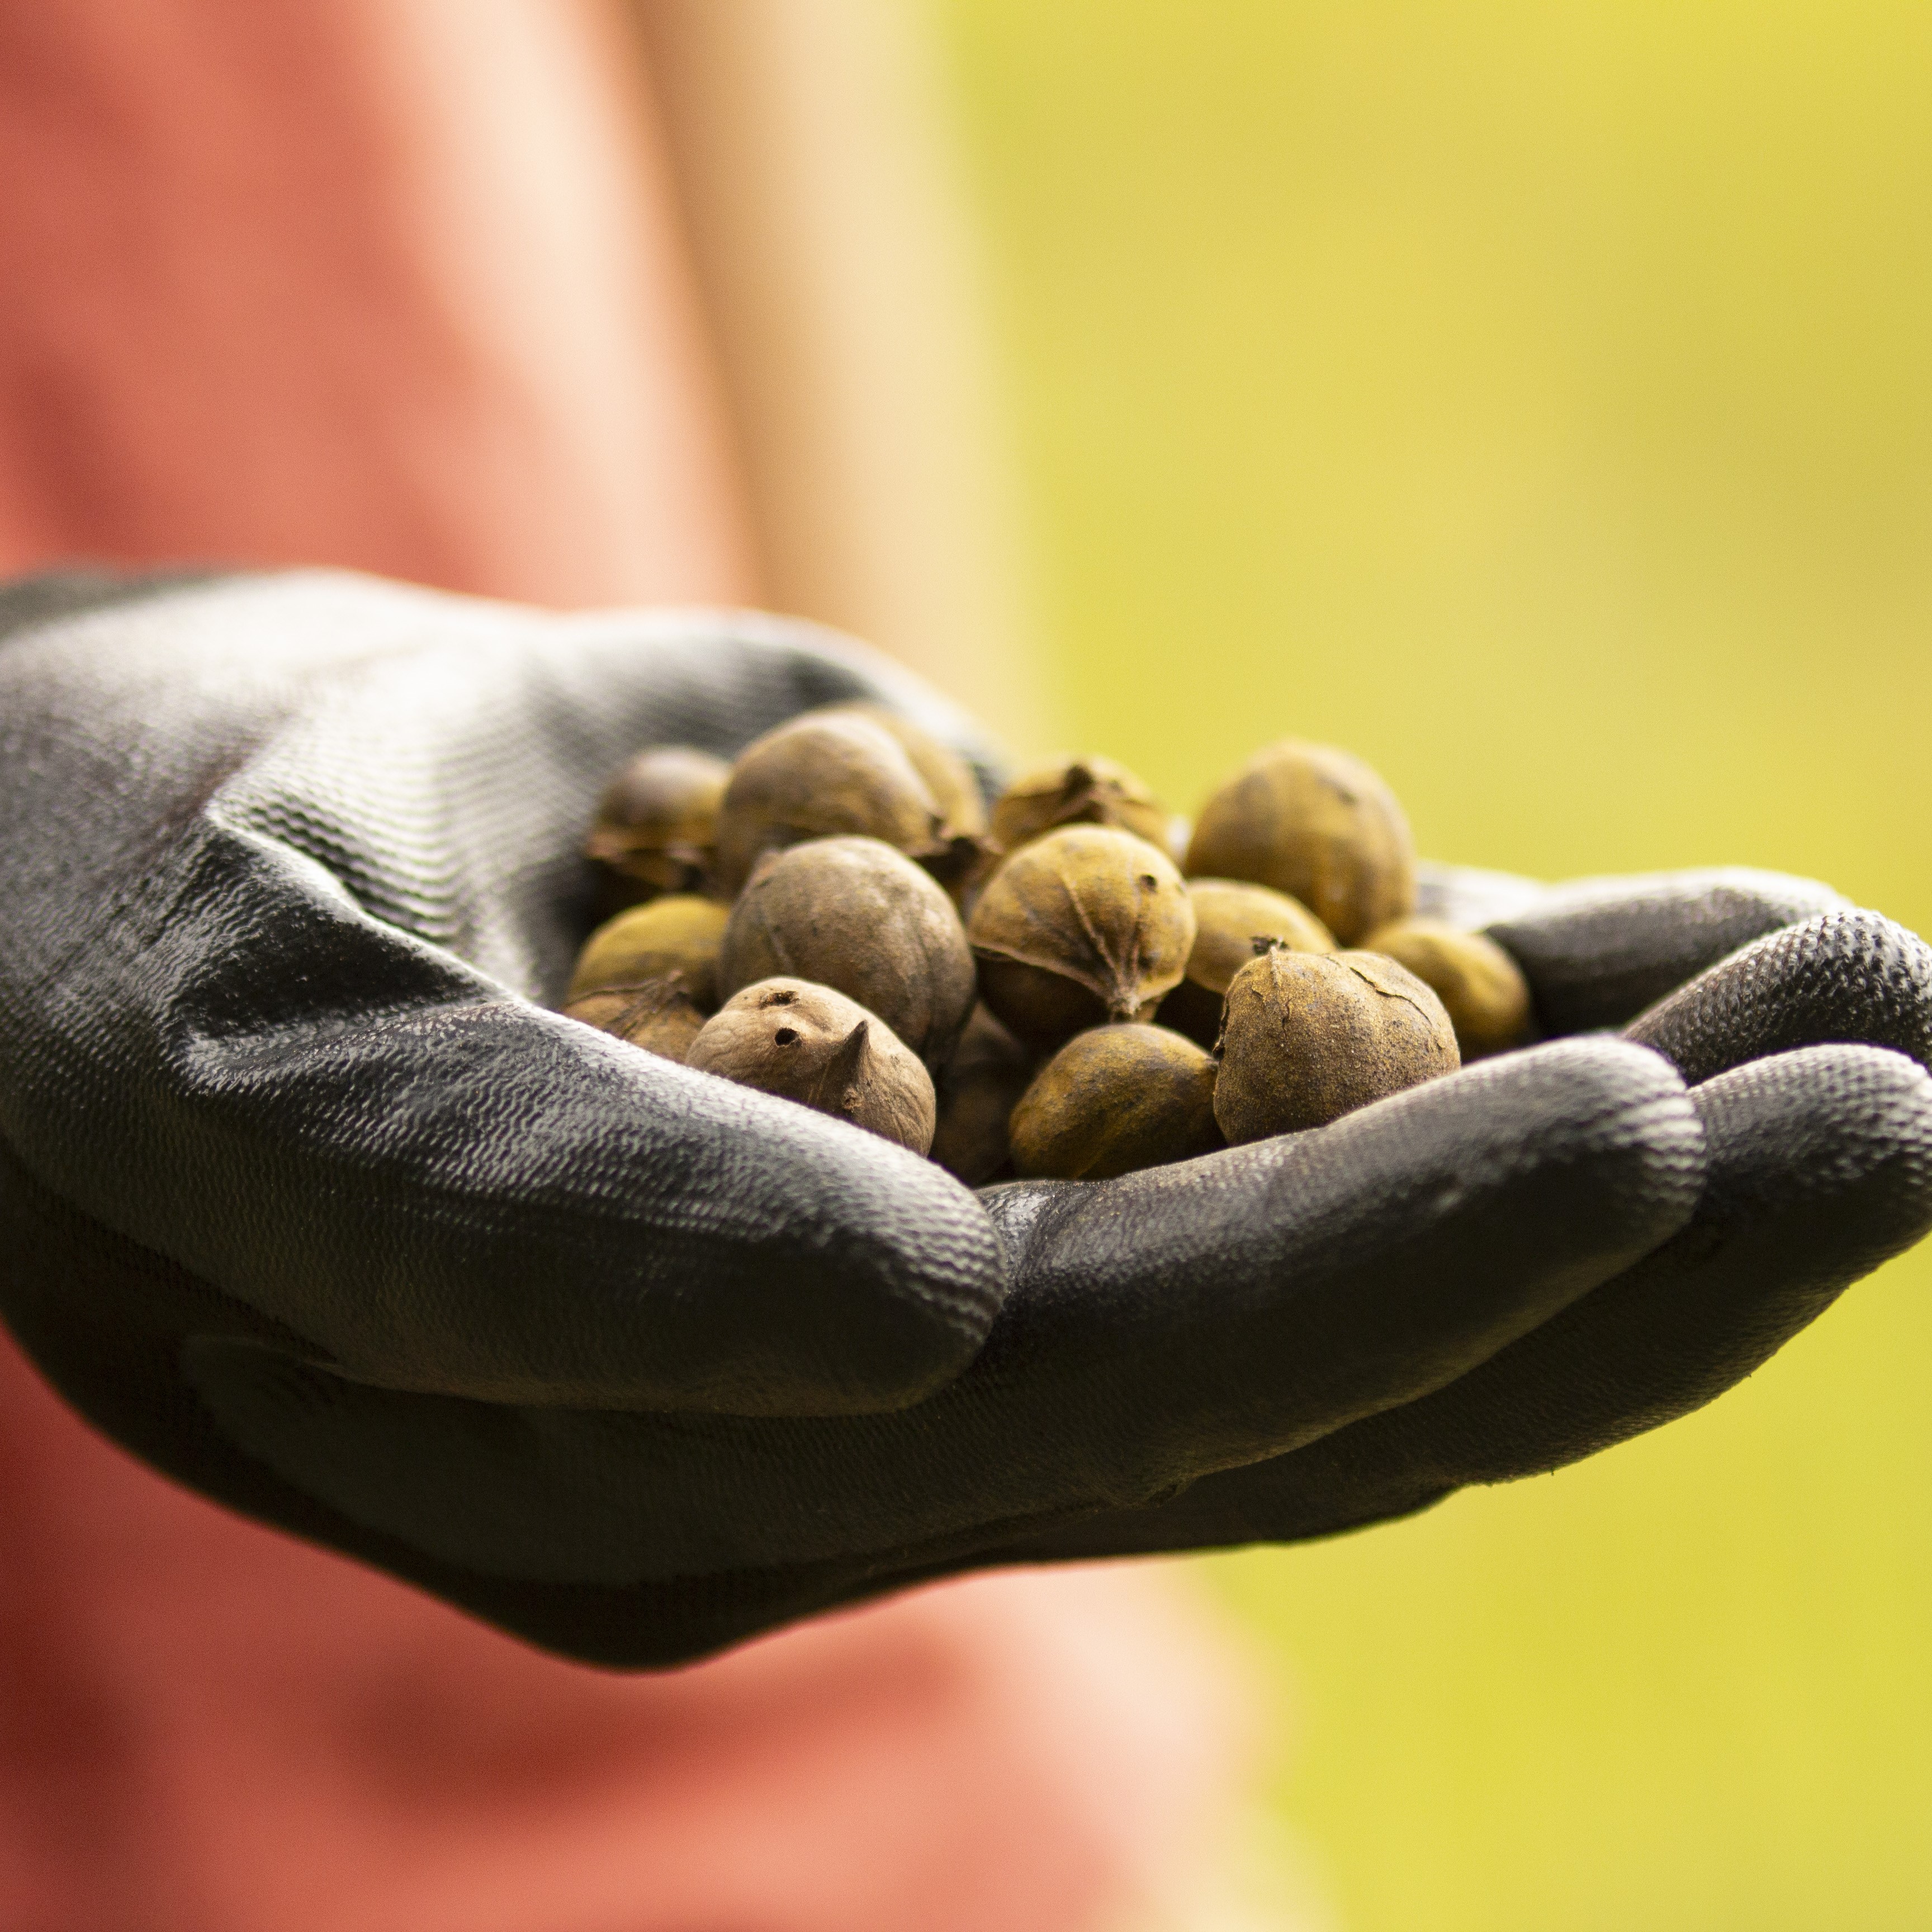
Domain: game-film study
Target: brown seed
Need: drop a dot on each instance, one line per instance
(823, 774)
(989, 1072)
(1483, 988)
(1233, 921)
(659, 1015)
(1083, 925)
(962, 806)
(1309, 1037)
(1317, 823)
(1077, 791)
(808, 1044)
(679, 933)
(1113, 1100)
(855, 915)
(657, 824)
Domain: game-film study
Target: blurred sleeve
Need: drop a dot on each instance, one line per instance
(390, 283)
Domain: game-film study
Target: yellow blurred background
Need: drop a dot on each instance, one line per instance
(1537, 400)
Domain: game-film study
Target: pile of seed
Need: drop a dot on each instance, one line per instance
(1071, 985)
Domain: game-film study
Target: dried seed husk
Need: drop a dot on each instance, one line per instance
(809, 1044)
(854, 914)
(826, 773)
(1309, 1036)
(1083, 925)
(679, 933)
(657, 826)
(1233, 921)
(1077, 791)
(1113, 1100)
(989, 1072)
(968, 854)
(660, 1016)
(955, 789)
(1319, 824)
(1482, 987)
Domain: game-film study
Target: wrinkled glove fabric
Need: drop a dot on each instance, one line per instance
(308, 1199)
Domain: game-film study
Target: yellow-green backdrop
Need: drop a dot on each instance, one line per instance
(1537, 399)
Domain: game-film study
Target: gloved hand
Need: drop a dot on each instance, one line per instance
(306, 1197)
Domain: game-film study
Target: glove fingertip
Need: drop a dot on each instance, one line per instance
(1852, 977)
(1597, 952)
(1838, 1135)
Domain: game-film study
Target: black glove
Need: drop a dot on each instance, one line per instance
(305, 1198)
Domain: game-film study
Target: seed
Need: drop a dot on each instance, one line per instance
(989, 1072)
(657, 825)
(829, 773)
(1482, 987)
(679, 933)
(853, 914)
(1317, 823)
(1082, 926)
(1077, 791)
(1309, 1037)
(1233, 921)
(1115, 1099)
(809, 1044)
(950, 779)
(659, 1015)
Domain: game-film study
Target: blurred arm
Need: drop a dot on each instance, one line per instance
(813, 152)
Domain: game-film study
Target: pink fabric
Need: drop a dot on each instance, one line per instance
(206, 1726)
(393, 283)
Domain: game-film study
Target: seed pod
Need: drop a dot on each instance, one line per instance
(1316, 824)
(1082, 926)
(822, 774)
(1115, 1099)
(657, 825)
(1482, 987)
(955, 790)
(808, 1044)
(1309, 1037)
(855, 915)
(679, 933)
(659, 1015)
(989, 1072)
(1077, 791)
(1232, 922)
